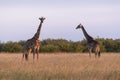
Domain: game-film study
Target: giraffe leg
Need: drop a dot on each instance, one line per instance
(23, 56)
(27, 54)
(26, 57)
(95, 51)
(34, 54)
(98, 51)
(37, 54)
(99, 54)
(90, 53)
(95, 54)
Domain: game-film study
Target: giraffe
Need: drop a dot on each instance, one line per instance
(91, 43)
(33, 43)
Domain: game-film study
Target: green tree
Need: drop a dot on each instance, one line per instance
(12, 47)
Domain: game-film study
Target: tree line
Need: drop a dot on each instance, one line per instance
(62, 45)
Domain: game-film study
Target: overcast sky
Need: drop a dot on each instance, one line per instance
(19, 19)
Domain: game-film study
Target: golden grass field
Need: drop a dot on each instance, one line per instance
(60, 66)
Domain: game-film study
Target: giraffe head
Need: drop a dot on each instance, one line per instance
(42, 19)
(79, 26)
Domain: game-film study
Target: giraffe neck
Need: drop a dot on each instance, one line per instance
(37, 34)
(88, 37)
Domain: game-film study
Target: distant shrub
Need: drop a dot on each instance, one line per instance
(62, 45)
(12, 47)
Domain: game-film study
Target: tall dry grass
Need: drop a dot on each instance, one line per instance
(60, 66)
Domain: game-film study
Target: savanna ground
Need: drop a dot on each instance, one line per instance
(60, 66)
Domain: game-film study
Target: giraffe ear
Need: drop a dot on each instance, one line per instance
(39, 18)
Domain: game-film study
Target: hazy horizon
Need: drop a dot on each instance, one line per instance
(19, 19)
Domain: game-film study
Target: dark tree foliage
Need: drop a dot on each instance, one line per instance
(11, 47)
(1, 45)
(59, 45)
(62, 45)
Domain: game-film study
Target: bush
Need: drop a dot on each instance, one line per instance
(12, 47)
(62, 45)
